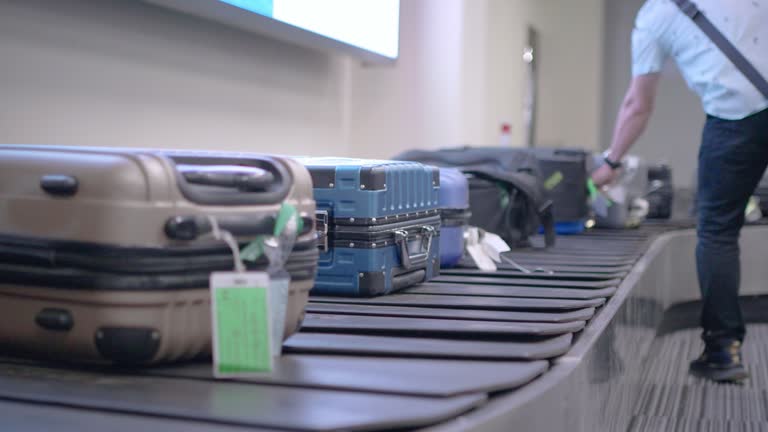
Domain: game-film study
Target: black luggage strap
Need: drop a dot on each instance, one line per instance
(548, 222)
(529, 187)
(728, 49)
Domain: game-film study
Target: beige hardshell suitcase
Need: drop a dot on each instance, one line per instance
(105, 254)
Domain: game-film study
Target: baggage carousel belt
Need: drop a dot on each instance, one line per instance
(37, 417)
(544, 261)
(438, 348)
(402, 361)
(455, 314)
(539, 273)
(486, 279)
(414, 377)
(227, 402)
(572, 268)
(511, 291)
(549, 261)
(437, 327)
(470, 302)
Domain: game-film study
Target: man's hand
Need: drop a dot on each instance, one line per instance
(604, 175)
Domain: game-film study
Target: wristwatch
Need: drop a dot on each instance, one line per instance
(614, 165)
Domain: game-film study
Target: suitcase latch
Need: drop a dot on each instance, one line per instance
(321, 221)
(428, 234)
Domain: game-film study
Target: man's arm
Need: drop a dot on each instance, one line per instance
(631, 122)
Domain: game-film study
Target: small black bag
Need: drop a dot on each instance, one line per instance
(660, 194)
(506, 192)
(565, 176)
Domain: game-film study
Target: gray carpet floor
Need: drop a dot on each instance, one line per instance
(672, 400)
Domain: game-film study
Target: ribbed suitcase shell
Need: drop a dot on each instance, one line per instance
(454, 205)
(364, 188)
(122, 202)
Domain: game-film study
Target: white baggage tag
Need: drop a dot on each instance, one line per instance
(494, 246)
(476, 251)
(617, 194)
(481, 259)
(601, 204)
(242, 324)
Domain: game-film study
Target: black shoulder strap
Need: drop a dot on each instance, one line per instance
(734, 55)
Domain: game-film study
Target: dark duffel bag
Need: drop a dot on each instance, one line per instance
(506, 191)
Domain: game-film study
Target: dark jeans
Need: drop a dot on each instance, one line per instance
(732, 159)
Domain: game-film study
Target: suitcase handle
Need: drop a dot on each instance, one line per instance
(241, 180)
(248, 179)
(192, 227)
(409, 260)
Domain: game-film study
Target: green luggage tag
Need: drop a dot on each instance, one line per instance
(555, 179)
(242, 324)
(600, 203)
(277, 249)
(287, 215)
(248, 308)
(241, 317)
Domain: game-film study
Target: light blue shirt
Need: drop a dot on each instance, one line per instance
(663, 31)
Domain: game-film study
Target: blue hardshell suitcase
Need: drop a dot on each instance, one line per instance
(455, 214)
(378, 223)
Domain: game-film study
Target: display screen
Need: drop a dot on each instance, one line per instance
(372, 25)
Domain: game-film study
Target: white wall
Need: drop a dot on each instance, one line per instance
(569, 64)
(674, 132)
(458, 78)
(570, 71)
(502, 48)
(416, 103)
(123, 73)
(120, 73)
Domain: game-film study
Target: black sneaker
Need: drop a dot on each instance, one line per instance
(721, 363)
